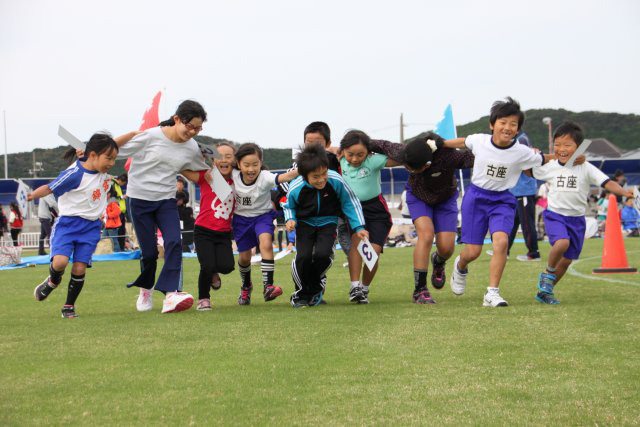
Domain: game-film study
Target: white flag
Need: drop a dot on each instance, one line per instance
(21, 197)
(368, 254)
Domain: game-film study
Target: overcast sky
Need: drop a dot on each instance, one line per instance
(264, 69)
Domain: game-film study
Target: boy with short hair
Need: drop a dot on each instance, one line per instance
(487, 204)
(564, 218)
(314, 202)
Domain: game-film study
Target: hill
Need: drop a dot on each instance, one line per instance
(621, 129)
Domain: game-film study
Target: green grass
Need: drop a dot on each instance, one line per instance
(391, 362)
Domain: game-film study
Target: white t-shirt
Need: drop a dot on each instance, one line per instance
(81, 192)
(255, 199)
(570, 187)
(156, 160)
(496, 168)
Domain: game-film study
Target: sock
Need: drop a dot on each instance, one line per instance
(355, 284)
(437, 259)
(420, 278)
(267, 265)
(365, 288)
(245, 275)
(490, 289)
(551, 269)
(463, 271)
(75, 286)
(55, 277)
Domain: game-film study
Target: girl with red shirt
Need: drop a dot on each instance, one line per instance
(212, 233)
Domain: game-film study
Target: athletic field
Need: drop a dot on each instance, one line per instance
(389, 362)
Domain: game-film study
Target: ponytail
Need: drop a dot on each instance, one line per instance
(187, 111)
(98, 143)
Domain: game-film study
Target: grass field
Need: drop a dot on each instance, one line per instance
(390, 362)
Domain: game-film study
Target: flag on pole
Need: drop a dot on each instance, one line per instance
(150, 119)
(445, 127)
(21, 197)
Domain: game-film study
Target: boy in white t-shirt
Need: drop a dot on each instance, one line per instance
(488, 204)
(564, 218)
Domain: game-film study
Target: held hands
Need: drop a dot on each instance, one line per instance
(29, 197)
(290, 225)
(362, 234)
(434, 141)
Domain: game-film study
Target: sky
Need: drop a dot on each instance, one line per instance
(263, 70)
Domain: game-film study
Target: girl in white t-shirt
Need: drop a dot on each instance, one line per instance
(253, 218)
(82, 191)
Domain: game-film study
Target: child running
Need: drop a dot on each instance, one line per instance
(432, 194)
(82, 190)
(315, 201)
(488, 204)
(361, 171)
(564, 219)
(212, 232)
(253, 218)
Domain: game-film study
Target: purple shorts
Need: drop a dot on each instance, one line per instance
(566, 227)
(246, 229)
(444, 215)
(486, 210)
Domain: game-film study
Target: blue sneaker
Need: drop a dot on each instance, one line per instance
(315, 300)
(545, 289)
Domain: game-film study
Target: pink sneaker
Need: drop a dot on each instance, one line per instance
(177, 301)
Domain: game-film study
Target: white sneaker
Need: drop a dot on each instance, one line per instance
(145, 300)
(458, 280)
(525, 258)
(493, 299)
(176, 301)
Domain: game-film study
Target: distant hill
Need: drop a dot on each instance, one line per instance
(621, 129)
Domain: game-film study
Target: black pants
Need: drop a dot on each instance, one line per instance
(14, 235)
(215, 255)
(122, 231)
(314, 256)
(526, 215)
(45, 233)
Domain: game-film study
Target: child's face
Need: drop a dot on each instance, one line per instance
(356, 154)
(563, 147)
(105, 161)
(225, 162)
(316, 138)
(318, 178)
(629, 202)
(186, 131)
(250, 166)
(505, 129)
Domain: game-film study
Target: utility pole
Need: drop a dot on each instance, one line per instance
(401, 128)
(6, 170)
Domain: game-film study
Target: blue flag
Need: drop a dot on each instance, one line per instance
(445, 127)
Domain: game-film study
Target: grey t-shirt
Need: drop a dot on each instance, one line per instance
(156, 160)
(45, 205)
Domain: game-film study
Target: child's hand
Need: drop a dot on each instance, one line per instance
(79, 153)
(580, 160)
(29, 197)
(362, 234)
(290, 225)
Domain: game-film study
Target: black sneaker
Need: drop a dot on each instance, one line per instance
(365, 297)
(298, 303)
(69, 312)
(42, 291)
(245, 296)
(422, 296)
(438, 276)
(356, 295)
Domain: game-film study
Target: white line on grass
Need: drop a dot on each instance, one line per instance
(573, 272)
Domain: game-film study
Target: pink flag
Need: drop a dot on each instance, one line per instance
(150, 119)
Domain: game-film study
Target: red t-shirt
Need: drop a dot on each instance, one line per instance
(215, 214)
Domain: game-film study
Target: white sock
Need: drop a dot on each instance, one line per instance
(365, 288)
(493, 289)
(355, 284)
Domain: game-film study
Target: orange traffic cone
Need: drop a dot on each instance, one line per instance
(614, 256)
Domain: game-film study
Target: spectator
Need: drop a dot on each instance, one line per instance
(47, 213)
(630, 219)
(181, 187)
(187, 221)
(4, 223)
(15, 222)
(619, 177)
(113, 222)
(119, 185)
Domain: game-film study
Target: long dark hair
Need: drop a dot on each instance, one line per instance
(98, 143)
(187, 111)
(16, 210)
